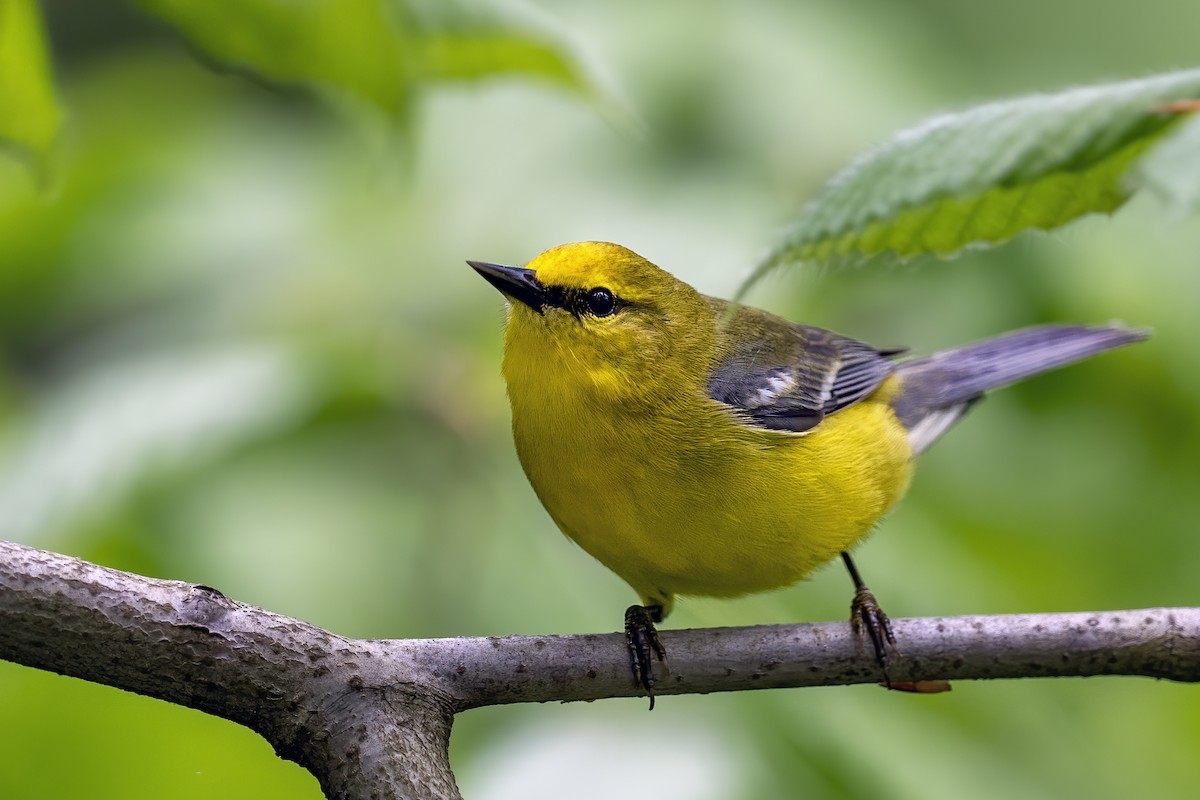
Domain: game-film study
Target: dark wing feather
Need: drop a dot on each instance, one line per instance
(790, 377)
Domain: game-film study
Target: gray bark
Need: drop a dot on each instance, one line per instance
(372, 718)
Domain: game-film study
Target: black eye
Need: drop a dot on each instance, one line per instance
(600, 301)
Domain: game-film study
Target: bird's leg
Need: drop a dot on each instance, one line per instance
(866, 617)
(642, 638)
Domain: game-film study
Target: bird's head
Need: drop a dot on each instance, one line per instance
(601, 312)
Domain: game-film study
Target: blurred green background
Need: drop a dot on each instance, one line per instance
(239, 346)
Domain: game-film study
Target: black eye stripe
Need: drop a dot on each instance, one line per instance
(558, 297)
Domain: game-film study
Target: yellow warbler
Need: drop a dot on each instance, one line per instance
(697, 448)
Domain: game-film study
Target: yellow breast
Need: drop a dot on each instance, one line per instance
(680, 496)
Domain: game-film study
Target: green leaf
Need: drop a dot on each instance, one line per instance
(983, 175)
(355, 46)
(1172, 169)
(29, 113)
(375, 50)
(482, 54)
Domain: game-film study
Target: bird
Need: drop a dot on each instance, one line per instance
(695, 446)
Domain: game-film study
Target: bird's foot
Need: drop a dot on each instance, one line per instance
(644, 645)
(866, 617)
(870, 622)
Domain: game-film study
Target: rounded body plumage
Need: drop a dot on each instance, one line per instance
(695, 447)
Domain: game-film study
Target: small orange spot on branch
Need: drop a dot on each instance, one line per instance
(919, 687)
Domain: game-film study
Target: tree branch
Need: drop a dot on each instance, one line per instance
(372, 718)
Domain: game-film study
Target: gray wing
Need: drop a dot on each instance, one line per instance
(798, 376)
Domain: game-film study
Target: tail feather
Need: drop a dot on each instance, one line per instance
(936, 390)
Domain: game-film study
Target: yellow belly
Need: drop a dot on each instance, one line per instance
(698, 503)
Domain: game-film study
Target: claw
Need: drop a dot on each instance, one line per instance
(642, 639)
(868, 621)
(866, 617)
